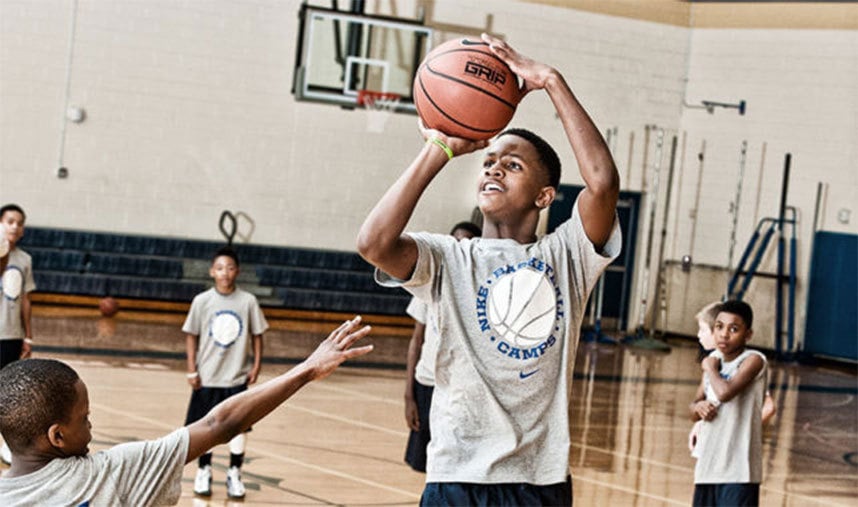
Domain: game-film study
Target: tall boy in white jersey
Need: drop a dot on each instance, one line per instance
(729, 401)
(509, 306)
(224, 351)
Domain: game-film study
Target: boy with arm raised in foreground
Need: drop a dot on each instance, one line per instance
(509, 305)
(729, 400)
(44, 411)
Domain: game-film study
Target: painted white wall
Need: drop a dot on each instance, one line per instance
(189, 112)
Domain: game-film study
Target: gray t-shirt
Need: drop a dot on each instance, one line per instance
(424, 371)
(224, 324)
(508, 319)
(17, 280)
(731, 443)
(136, 473)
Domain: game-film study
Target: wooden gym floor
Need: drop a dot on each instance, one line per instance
(341, 441)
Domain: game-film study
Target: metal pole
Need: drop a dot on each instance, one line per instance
(781, 251)
(701, 155)
(659, 281)
(735, 208)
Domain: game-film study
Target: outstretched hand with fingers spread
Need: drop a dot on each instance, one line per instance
(336, 348)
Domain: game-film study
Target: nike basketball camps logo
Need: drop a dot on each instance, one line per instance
(226, 327)
(520, 310)
(12, 283)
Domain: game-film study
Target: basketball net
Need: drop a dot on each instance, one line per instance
(379, 106)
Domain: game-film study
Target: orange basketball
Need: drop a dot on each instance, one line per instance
(464, 90)
(108, 306)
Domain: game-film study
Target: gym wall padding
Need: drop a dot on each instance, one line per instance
(831, 327)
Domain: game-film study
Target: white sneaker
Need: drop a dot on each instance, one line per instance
(234, 486)
(203, 482)
(6, 454)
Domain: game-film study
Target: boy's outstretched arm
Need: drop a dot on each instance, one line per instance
(598, 202)
(381, 240)
(727, 389)
(239, 412)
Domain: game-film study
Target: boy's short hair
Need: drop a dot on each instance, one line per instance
(547, 155)
(34, 394)
(226, 251)
(708, 314)
(740, 308)
(471, 227)
(12, 207)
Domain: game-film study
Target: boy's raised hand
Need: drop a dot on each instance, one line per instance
(335, 349)
(458, 145)
(533, 73)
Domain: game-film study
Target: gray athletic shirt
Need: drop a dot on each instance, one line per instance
(17, 280)
(224, 324)
(509, 316)
(136, 473)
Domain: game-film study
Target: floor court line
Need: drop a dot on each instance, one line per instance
(360, 394)
(632, 491)
(325, 415)
(648, 461)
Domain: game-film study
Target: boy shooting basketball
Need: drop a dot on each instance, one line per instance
(729, 401)
(44, 411)
(224, 326)
(509, 304)
(16, 268)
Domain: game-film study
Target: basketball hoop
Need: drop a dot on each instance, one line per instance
(379, 106)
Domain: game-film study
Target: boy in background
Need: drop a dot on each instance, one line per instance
(420, 368)
(729, 400)
(705, 324)
(224, 331)
(17, 282)
(44, 411)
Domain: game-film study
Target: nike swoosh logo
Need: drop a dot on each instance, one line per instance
(523, 375)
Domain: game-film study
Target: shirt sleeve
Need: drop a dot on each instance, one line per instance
(29, 281)
(192, 323)
(425, 278)
(417, 310)
(258, 324)
(591, 263)
(150, 472)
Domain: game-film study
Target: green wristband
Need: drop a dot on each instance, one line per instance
(443, 146)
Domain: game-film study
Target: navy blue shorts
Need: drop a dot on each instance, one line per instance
(415, 452)
(505, 494)
(732, 494)
(206, 398)
(10, 350)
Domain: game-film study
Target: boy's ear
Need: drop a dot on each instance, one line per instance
(546, 197)
(55, 436)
